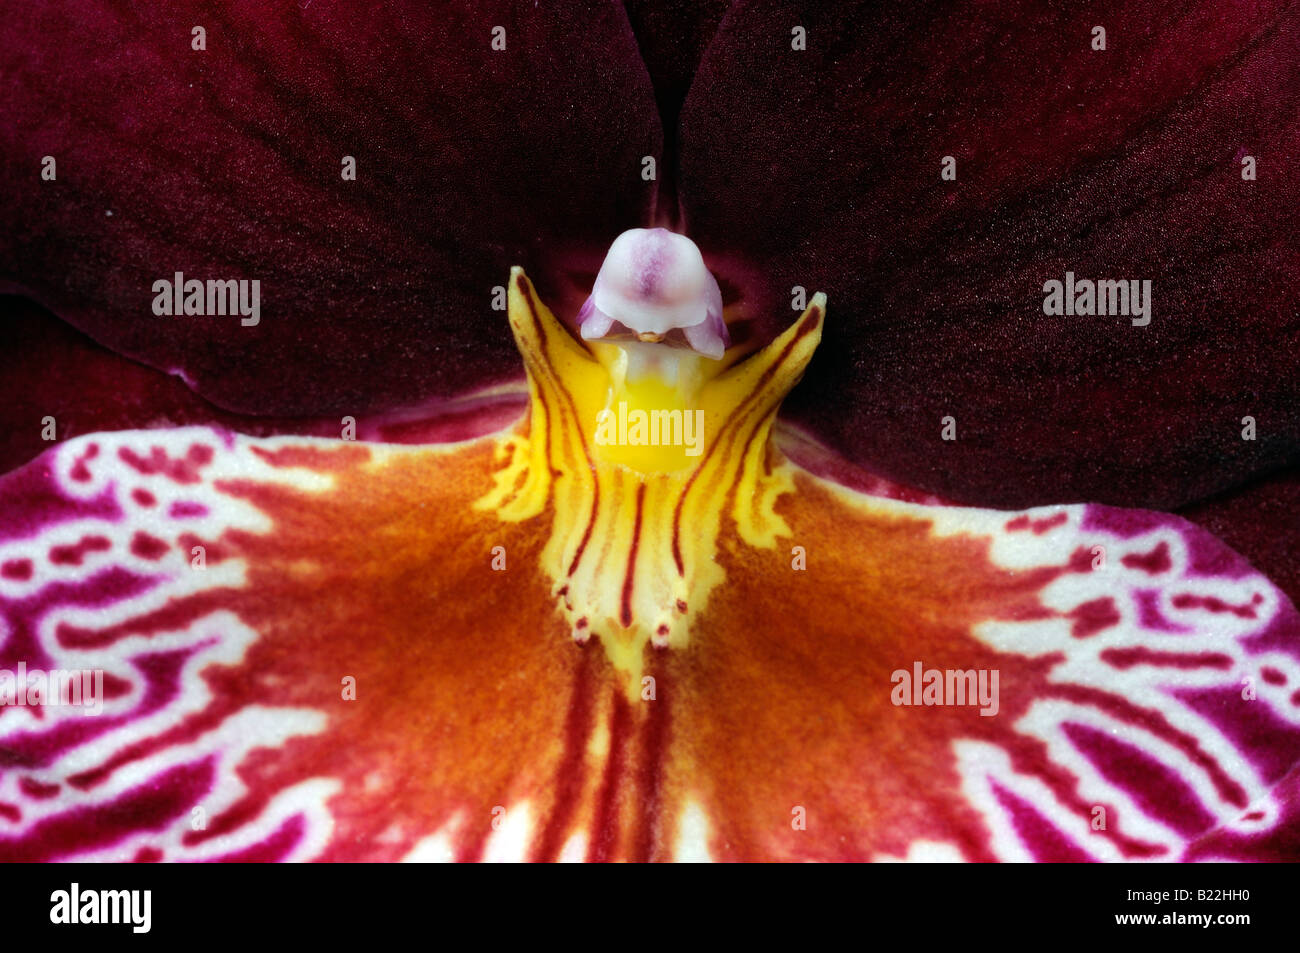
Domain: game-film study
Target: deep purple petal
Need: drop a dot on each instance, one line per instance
(821, 168)
(227, 164)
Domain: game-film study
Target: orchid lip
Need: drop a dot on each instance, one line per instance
(653, 287)
(464, 622)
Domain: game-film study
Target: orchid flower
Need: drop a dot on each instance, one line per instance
(388, 565)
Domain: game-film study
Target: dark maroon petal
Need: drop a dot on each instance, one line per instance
(672, 36)
(821, 168)
(226, 164)
(55, 381)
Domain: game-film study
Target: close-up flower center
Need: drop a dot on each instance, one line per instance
(621, 430)
(641, 445)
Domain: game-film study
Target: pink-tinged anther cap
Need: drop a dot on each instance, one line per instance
(654, 282)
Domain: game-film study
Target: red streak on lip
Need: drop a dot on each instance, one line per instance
(72, 555)
(1038, 526)
(626, 613)
(1156, 561)
(1140, 655)
(17, 569)
(569, 777)
(604, 840)
(1092, 617)
(649, 772)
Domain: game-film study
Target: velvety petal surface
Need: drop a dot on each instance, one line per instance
(672, 37)
(1118, 164)
(349, 673)
(56, 383)
(228, 162)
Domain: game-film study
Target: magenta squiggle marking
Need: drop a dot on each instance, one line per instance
(1158, 790)
(34, 503)
(149, 807)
